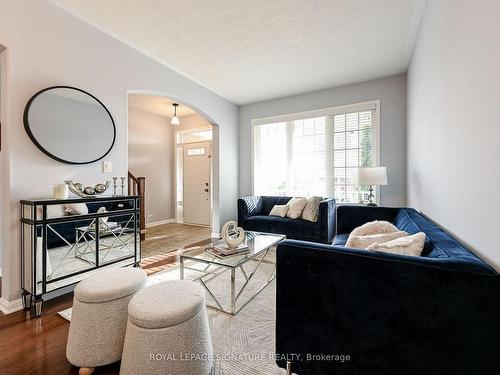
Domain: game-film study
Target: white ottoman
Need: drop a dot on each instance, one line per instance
(99, 316)
(167, 331)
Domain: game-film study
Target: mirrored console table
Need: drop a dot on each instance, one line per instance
(63, 241)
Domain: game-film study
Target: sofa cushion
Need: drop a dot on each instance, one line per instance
(440, 244)
(362, 242)
(292, 228)
(404, 222)
(374, 227)
(279, 210)
(296, 207)
(408, 245)
(311, 210)
(268, 202)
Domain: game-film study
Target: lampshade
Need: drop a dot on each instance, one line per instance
(175, 121)
(372, 176)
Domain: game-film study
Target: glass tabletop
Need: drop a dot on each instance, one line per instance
(256, 241)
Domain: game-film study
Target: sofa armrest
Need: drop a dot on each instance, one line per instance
(388, 315)
(248, 206)
(326, 220)
(350, 217)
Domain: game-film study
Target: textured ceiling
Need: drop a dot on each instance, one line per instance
(157, 104)
(254, 50)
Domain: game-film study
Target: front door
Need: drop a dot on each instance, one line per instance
(196, 183)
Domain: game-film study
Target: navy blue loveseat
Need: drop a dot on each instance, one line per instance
(253, 214)
(391, 314)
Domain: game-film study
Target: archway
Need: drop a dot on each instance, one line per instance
(155, 149)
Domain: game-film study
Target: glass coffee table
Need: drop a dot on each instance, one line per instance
(207, 268)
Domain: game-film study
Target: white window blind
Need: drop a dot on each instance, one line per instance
(317, 155)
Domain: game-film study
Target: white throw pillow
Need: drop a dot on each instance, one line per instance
(296, 206)
(362, 242)
(279, 210)
(311, 210)
(77, 209)
(410, 245)
(374, 227)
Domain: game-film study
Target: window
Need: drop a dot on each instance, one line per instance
(201, 135)
(196, 151)
(317, 153)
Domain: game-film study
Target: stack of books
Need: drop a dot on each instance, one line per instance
(221, 250)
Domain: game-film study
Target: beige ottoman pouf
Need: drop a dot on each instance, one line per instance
(167, 331)
(99, 316)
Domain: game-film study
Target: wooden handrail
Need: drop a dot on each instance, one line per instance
(137, 186)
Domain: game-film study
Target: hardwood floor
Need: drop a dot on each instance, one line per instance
(38, 346)
(164, 238)
(158, 263)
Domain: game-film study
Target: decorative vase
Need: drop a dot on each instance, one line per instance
(227, 229)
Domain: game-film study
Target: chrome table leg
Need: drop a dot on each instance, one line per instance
(233, 290)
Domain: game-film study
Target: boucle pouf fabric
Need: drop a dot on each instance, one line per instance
(99, 316)
(167, 331)
(109, 284)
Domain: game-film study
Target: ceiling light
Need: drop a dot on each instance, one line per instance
(175, 119)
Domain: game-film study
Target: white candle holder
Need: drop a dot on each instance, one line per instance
(61, 191)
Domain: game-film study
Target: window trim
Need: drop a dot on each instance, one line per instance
(355, 107)
(192, 130)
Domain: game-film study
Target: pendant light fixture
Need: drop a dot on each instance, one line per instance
(175, 119)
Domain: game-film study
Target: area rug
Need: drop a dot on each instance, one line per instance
(243, 344)
(164, 238)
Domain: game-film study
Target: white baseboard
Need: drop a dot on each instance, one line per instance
(155, 223)
(9, 307)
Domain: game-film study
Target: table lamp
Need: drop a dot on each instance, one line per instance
(372, 176)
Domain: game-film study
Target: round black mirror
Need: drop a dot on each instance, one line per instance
(69, 125)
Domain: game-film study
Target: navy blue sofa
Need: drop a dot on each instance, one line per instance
(391, 314)
(253, 214)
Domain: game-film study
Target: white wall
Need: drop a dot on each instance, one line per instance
(2, 140)
(194, 121)
(453, 114)
(390, 91)
(47, 46)
(150, 154)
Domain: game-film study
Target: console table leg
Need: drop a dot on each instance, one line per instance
(26, 300)
(37, 308)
